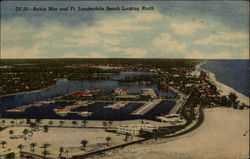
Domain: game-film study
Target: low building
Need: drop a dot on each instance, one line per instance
(120, 91)
(93, 90)
(82, 94)
(134, 129)
(172, 118)
(149, 92)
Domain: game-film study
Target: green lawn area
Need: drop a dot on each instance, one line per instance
(128, 96)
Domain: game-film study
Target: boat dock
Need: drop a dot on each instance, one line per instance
(146, 107)
(179, 103)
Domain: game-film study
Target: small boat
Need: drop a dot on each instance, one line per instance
(62, 112)
(85, 113)
(117, 105)
(15, 110)
(47, 102)
(37, 104)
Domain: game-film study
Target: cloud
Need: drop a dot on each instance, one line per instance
(232, 36)
(148, 17)
(166, 44)
(20, 52)
(195, 54)
(129, 34)
(121, 23)
(186, 28)
(135, 52)
(244, 54)
(224, 39)
(90, 55)
(129, 52)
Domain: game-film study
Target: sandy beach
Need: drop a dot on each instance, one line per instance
(223, 89)
(68, 138)
(221, 136)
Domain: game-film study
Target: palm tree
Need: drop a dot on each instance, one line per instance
(21, 122)
(32, 146)
(45, 128)
(155, 134)
(46, 145)
(3, 143)
(61, 151)
(224, 101)
(84, 144)
(232, 98)
(25, 132)
(242, 106)
(20, 147)
(12, 123)
(104, 124)
(108, 139)
(32, 125)
(84, 123)
(67, 153)
(74, 123)
(110, 123)
(61, 122)
(28, 121)
(10, 155)
(50, 123)
(39, 121)
(45, 153)
(126, 136)
(3, 122)
(11, 132)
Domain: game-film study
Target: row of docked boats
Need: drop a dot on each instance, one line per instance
(63, 111)
(69, 109)
(24, 107)
(117, 105)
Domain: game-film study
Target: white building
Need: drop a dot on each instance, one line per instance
(148, 91)
(120, 91)
(172, 118)
(134, 129)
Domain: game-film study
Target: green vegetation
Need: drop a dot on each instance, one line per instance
(45, 128)
(10, 155)
(3, 143)
(84, 144)
(128, 96)
(45, 152)
(61, 150)
(25, 132)
(32, 146)
(20, 147)
(21, 75)
(108, 140)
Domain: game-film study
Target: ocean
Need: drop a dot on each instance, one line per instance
(233, 73)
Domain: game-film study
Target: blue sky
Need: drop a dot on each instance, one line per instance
(210, 30)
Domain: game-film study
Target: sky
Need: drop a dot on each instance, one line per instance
(174, 29)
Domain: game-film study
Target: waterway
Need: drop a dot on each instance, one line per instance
(64, 87)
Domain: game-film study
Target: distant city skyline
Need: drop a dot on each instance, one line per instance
(189, 29)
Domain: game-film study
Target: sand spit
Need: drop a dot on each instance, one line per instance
(223, 89)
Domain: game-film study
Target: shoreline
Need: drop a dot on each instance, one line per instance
(222, 88)
(37, 90)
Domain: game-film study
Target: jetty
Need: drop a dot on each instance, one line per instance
(146, 107)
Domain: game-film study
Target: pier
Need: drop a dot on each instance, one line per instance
(179, 103)
(146, 107)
